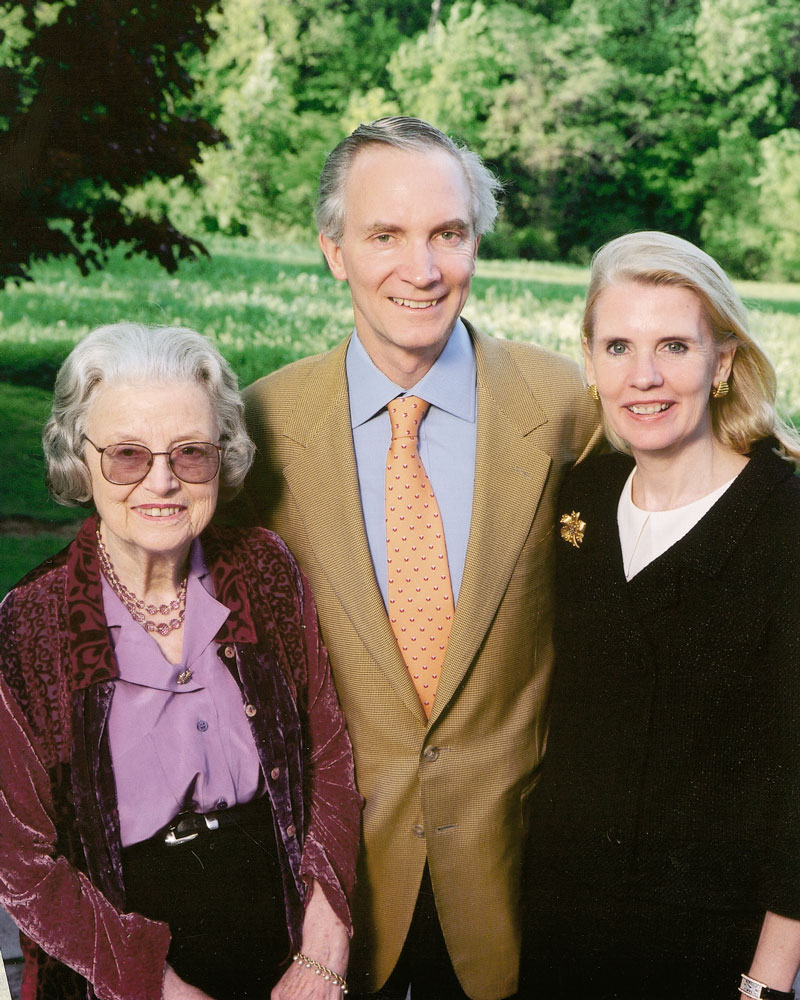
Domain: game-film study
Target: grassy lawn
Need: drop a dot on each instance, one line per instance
(264, 305)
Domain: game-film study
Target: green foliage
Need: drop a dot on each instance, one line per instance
(276, 83)
(95, 98)
(747, 64)
(600, 116)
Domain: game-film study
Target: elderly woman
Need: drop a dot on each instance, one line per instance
(178, 816)
(664, 851)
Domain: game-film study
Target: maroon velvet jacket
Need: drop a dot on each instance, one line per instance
(60, 867)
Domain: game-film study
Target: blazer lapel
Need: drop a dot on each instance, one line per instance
(510, 474)
(324, 483)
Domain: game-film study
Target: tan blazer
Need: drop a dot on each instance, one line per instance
(452, 789)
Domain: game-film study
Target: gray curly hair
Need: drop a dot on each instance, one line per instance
(129, 353)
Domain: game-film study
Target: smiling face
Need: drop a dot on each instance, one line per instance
(408, 254)
(159, 517)
(654, 361)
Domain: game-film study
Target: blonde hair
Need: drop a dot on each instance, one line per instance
(748, 412)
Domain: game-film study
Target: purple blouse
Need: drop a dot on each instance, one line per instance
(176, 746)
(62, 879)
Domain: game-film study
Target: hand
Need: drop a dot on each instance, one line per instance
(300, 983)
(176, 988)
(325, 939)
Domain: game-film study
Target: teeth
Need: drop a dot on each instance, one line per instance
(652, 408)
(160, 511)
(413, 304)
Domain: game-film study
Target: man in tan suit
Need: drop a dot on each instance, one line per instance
(444, 771)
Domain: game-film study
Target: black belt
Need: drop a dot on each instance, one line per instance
(188, 826)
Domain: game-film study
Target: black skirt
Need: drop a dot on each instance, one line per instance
(576, 945)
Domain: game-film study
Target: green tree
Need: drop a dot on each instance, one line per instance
(747, 64)
(276, 81)
(95, 98)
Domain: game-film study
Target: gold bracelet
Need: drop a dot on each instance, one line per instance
(321, 970)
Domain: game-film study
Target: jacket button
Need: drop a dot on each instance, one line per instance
(230, 652)
(290, 830)
(431, 753)
(418, 830)
(202, 725)
(250, 710)
(275, 773)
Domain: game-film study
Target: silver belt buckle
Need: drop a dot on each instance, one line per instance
(173, 838)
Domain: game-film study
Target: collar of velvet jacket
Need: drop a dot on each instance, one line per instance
(91, 658)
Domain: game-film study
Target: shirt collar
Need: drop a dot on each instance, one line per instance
(133, 646)
(449, 385)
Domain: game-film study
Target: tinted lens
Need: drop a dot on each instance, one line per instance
(125, 464)
(195, 462)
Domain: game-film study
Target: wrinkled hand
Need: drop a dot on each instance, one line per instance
(303, 984)
(176, 988)
(325, 939)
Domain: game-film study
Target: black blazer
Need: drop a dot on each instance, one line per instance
(672, 765)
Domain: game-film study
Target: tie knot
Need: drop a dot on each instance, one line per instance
(406, 413)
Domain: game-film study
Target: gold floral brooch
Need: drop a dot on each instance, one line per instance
(572, 528)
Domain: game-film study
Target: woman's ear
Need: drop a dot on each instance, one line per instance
(725, 357)
(587, 361)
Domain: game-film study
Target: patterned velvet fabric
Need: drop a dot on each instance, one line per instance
(60, 869)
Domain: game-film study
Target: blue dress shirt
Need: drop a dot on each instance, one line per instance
(447, 444)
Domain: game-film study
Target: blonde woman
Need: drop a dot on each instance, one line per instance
(664, 855)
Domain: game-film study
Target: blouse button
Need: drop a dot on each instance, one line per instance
(230, 652)
(275, 773)
(202, 725)
(250, 710)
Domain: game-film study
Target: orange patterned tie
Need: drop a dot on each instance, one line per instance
(420, 596)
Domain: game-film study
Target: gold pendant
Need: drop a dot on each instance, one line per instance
(572, 528)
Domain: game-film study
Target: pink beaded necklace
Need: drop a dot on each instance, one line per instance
(135, 605)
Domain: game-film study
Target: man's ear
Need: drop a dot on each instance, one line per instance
(333, 255)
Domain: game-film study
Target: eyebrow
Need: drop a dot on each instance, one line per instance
(389, 227)
(379, 227)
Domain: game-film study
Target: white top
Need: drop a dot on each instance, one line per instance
(645, 534)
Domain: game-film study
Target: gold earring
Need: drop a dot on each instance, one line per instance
(592, 390)
(720, 390)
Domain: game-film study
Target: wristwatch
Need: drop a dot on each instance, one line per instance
(760, 991)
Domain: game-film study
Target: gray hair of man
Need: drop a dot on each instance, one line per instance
(408, 134)
(130, 354)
